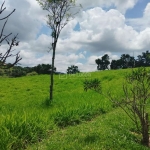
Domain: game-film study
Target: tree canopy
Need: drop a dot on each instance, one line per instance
(125, 61)
(103, 63)
(73, 70)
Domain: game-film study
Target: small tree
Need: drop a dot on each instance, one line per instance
(136, 95)
(11, 43)
(103, 63)
(73, 70)
(60, 13)
(134, 102)
(127, 61)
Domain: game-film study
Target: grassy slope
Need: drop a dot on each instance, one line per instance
(25, 118)
(110, 131)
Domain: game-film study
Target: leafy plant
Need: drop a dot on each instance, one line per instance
(93, 84)
(136, 91)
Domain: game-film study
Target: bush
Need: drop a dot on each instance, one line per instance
(32, 73)
(1, 73)
(17, 73)
(134, 101)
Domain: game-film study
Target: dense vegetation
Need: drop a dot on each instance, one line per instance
(73, 120)
(18, 71)
(73, 70)
(125, 61)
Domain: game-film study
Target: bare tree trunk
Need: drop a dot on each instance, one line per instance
(145, 131)
(52, 71)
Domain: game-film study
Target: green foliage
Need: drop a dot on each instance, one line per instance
(17, 72)
(102, 64)
(73, 70)
(32, 73)
(1, 72)
(43, 69)
(134, 101)
(139, 75)
(127, 61)
(93, 84)
(67, 117)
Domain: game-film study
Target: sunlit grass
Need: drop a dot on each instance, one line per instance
(108, 131)
(27, 117)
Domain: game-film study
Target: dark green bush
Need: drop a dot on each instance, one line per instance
(17, 73)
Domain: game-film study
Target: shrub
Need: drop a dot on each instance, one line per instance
(17, 73)
(1, 73)
(134, 101)
(32, 73)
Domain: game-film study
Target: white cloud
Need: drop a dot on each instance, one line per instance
(41, 44)
(91, 59)
(99, 19)
(103, 31)
(121, 5)
(147, 10)
(62, 61)
(143, 39)
(26, 20)
(142, 23)
(100, 32)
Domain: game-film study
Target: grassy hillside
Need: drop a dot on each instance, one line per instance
(74, 120)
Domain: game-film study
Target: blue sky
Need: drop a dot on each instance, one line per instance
(137, 10)
(112, 27)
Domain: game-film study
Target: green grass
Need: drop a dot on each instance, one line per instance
(108, 131)
(74, 120)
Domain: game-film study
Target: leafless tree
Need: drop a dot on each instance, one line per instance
(9, 53)
(60, 13)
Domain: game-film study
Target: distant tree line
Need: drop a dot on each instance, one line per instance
(18, 71)
(125, 61)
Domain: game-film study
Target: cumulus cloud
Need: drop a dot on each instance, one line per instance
(103, 29)
(142, 23)
(121, 5)
(147, 10)
(26, 20)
